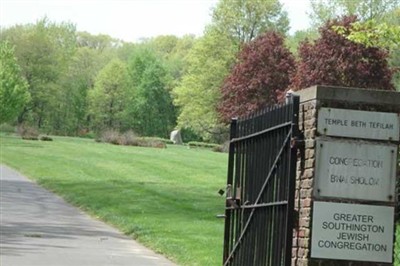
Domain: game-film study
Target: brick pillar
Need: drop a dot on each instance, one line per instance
(304, 184)
(312, 99)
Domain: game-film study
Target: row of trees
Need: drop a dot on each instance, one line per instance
(331, 59)
(73, 82)
(67, 82)
(233, 71)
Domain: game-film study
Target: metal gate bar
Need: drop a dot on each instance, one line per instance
(260, 187)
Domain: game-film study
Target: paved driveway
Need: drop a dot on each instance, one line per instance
(37, 228)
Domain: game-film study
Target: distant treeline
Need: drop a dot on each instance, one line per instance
(66, 82)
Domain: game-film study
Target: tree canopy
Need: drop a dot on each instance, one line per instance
(263, 69)
(234, 23)
(334, 60)
(198, 93)
(79, 82)
(151, 112)
(43, 51)
(244, 20)
(108, 98)
(324, 10)
(13, 87)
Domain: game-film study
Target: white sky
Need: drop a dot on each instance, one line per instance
(130, 20)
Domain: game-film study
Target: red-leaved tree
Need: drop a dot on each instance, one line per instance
(334, 60)
(263, 69)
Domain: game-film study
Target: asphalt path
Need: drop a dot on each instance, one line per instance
(38, 228)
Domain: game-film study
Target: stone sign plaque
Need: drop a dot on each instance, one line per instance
(352, 232)
(355, 170)
(358, 124)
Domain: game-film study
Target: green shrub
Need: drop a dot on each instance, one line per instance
(45, 138)
(129, 138)
(88, 135)
(7, 128)
(196, 144)
(189, 135)
(110, 136)
(152, 142)
(222, 148)
(218, 148)
(28, 133)
(166, 141)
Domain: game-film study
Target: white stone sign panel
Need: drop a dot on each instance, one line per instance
(355, 170)
(358, 124)
(352, 232)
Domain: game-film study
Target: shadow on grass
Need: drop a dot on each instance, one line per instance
(129, 197)
(174, 218)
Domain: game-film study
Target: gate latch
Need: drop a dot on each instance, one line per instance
(231, 199)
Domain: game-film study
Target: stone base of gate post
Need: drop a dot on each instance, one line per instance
(313, 101)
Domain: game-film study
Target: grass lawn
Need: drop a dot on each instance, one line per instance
(165, 198)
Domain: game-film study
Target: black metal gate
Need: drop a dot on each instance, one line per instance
(261, 187)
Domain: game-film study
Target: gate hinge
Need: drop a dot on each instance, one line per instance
(297, 141)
